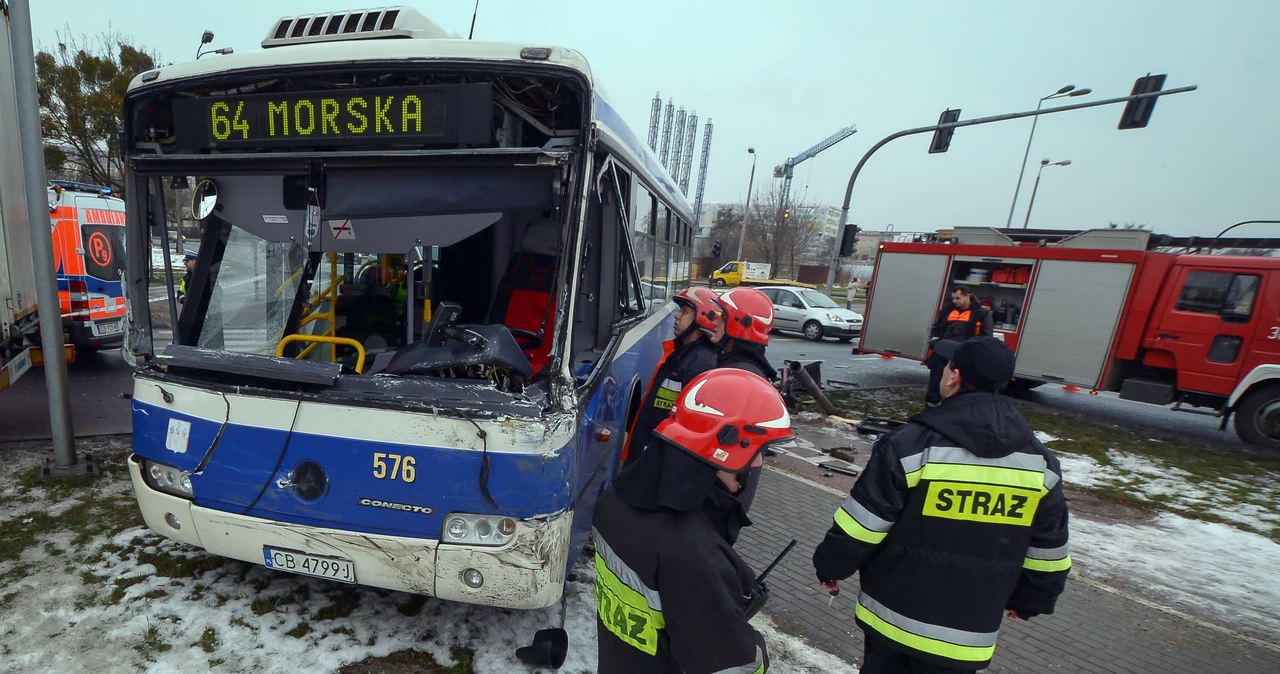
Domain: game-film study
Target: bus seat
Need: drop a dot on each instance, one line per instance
(525, 299)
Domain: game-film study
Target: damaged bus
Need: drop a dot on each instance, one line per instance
(430, 288)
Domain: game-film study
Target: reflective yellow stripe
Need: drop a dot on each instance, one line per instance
(855, 529)
(913, 478)
(922, 643)
(981, 503)
(625, 612)
(1008, 477)
(1047, 565)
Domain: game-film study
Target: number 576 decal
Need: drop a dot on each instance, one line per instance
(402, 467)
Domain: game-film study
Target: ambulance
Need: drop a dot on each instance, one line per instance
(88, 251)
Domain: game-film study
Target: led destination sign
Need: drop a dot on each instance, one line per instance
(447, 113)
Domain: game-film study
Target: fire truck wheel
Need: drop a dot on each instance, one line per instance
(1258, 417)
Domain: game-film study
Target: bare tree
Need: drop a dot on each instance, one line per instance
(725, 228)
(781, 235)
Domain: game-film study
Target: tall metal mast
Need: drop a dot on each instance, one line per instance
(666, 133)
(702, 175)
(677, 145)
(690, 136)
(655, 118)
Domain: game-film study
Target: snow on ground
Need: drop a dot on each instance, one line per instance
(1045, 437)
(73, 598)
(1247, 501)
(1198, 567)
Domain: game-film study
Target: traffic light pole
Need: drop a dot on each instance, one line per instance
(848, 193)
(65, 462)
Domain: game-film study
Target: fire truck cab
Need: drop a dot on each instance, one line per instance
(1105, 310)
(89, 250)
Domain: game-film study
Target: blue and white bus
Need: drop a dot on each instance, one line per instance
(431, 288)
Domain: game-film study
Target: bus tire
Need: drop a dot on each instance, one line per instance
(1258, 417)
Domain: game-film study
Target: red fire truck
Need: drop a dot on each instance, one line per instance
(1154, 318)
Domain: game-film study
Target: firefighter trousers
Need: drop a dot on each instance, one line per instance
(880, 658)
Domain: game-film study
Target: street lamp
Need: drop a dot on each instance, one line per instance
(1043, 163)
(1069, 90)
(205, 39)
(746, 209)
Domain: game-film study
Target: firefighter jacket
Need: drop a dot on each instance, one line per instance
(957, 516)
(748, 356)
(958, 325)
(682, 363)
(671, 593)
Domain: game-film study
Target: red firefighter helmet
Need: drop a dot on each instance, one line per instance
(725, 417)
(706, 306)
(750, 315)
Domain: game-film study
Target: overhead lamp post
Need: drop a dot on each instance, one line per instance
(746, 209)
(1043, 163)
(1069, 90)
(206, 39)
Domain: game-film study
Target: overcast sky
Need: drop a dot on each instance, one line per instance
(781, 76)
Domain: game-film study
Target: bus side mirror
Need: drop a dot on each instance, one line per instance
(203, 199)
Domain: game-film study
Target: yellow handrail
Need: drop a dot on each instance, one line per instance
(318, 339)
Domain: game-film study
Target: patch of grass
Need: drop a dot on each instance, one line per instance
(264, 605)
(155, 594)
(152, 643)
(6, 602)
(412, 607)
(347, 631)
(178, 566)
(17, 573)
(121, 585)
(209, 641)
(51, 549)
(423, 662)
(302, 630)
(240, 622)
(343, 605)
(91, 578)
(216, 661)
(222, 599)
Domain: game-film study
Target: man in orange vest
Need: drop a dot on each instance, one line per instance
(965, 318)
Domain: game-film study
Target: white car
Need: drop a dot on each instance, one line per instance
(812, 314)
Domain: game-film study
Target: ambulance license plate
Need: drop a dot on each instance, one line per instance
(320, 566)
(109, 328)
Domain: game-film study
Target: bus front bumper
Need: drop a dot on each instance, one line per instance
(526, 573)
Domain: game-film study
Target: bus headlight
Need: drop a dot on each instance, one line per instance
(167, 479)
(468, 529)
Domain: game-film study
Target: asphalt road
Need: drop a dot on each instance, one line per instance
(839, 363)
(98, 380)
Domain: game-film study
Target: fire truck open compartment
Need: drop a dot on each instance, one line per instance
(1057, 307)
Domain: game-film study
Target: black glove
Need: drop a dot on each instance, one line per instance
(759, 595)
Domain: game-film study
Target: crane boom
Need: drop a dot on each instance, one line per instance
(787, 169)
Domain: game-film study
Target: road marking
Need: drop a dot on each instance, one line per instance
(804, 480)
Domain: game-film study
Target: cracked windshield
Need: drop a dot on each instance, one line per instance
(481, 337)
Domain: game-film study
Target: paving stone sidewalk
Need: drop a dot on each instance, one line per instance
(1093, 630)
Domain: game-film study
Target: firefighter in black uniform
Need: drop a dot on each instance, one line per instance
(957, 520)
(699, 327)
(964, 319)
(747, 324)
(672, 595)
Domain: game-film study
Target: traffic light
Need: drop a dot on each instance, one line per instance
(942, 137)
(715, 250)
(849, 243)
(1137, 113)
